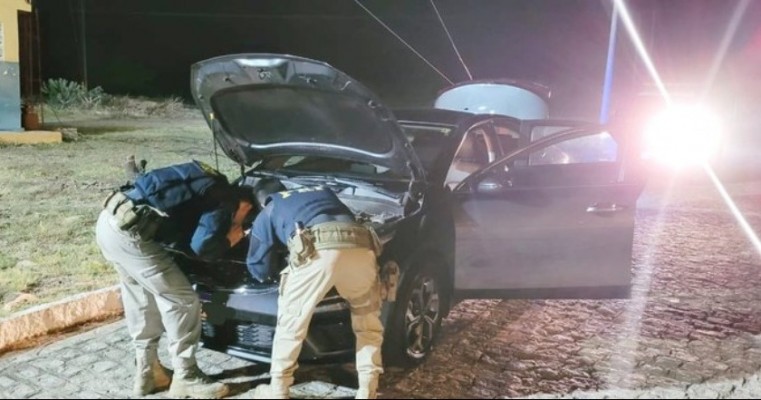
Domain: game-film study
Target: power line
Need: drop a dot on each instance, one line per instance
(257, 16)
(467, 71)
(225, 15)
(404, 42)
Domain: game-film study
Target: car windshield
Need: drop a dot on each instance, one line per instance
(428, 141)
(296, 164)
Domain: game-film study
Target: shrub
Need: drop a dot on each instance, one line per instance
(92, 98)
(62, 93)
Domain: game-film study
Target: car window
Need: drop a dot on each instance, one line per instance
(472, 155)
(508, 138)
(473, 148)
(428, 142)
(596, 148)
(542, 131)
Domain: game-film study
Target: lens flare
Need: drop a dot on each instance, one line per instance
(691, 136)
(626, 18)
(744, 225)
(683, 135)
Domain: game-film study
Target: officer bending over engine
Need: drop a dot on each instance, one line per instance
(326, 248)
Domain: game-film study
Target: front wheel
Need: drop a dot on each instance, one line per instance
(416, 318)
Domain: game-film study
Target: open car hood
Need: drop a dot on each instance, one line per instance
(260, 105)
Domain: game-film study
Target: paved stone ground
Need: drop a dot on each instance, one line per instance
(689, 329)
(99, 364)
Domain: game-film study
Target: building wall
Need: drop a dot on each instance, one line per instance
(10, 100)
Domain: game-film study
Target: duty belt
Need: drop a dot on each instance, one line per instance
(331, 235)
(337, 235)
(141, 219)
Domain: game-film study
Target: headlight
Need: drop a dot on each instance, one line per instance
(683, 135)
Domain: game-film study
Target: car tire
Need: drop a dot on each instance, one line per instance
(415, 320)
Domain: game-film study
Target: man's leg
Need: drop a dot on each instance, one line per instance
(357, 282)
(156, 273)
(181, 314)
(142, 315)
(145, 327)
(301, 290)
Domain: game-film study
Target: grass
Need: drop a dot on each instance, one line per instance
(50, 197)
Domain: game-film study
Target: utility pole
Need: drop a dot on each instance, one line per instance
(84, 42)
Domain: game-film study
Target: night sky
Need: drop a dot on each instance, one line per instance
(146, 47)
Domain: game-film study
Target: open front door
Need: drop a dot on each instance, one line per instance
(552, 220)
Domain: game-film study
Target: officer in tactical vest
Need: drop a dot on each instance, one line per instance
(192, 207)
(326, 248)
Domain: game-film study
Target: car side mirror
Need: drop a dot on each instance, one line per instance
(491, 186)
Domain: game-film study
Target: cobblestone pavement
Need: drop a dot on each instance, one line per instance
(689, 329)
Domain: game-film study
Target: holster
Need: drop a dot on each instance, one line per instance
(301, 248)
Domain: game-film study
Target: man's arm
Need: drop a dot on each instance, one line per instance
(210, 239)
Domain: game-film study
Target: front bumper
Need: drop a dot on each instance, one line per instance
(241, 322)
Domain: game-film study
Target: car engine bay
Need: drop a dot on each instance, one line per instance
(374, 206)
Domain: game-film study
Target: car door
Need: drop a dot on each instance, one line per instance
(553, 220)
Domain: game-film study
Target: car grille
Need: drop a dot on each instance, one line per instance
(255, 335)
(208, 330)
(237, 333)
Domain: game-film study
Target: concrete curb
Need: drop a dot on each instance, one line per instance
(31, 137)
(62, 314)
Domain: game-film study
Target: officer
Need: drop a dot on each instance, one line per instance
(192, 207)
(326, 248)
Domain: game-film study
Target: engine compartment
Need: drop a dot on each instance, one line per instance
(376, 207)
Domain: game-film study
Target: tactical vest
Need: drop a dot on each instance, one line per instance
(168, 187)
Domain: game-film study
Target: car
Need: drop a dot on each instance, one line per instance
(467, 205)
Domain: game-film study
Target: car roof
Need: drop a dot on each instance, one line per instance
(458, 119)
(431, 115)
(537, 88)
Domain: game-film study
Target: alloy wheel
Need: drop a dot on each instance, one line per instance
(422, 316)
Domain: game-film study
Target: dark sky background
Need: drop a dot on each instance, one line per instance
(146, 47)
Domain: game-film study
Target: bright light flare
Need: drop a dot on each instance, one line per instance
(626, 18)
(683, 135)
(744, 225)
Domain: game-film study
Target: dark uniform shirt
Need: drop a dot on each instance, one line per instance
(276, 223)
(199, 203)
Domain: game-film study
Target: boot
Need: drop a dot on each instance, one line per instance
(192, 382)
(265, 391)
(150, 376)
(368, 387)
